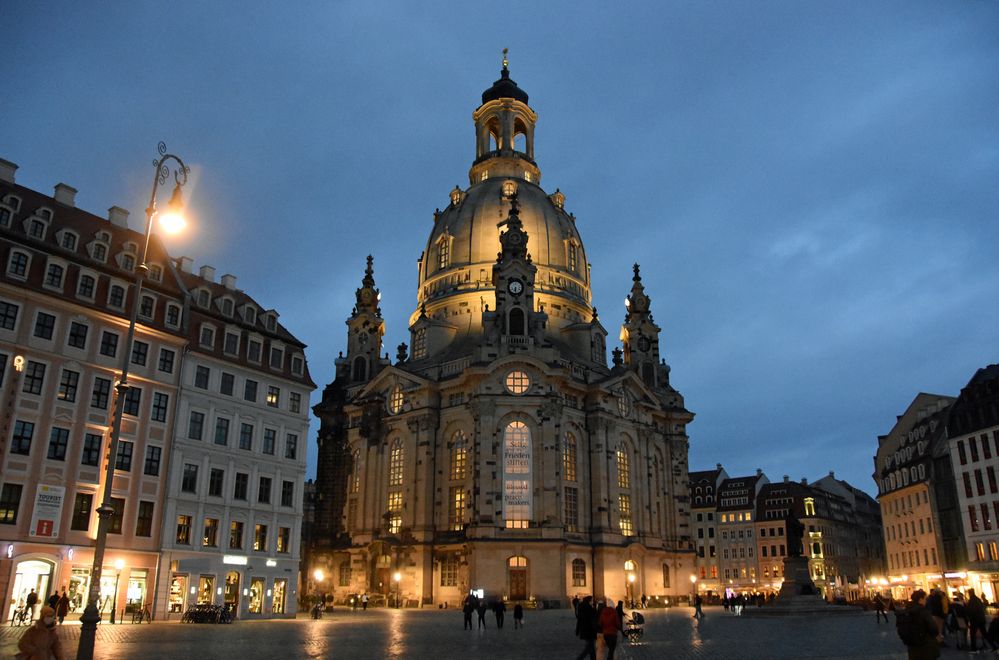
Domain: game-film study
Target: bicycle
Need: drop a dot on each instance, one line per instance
(142, 614)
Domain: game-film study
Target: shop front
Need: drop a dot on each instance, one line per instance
(260, 590)
(49, 569)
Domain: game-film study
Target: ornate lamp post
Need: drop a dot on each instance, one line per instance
(693, 588)
(397, 577)
(171, 221)
(118, 565)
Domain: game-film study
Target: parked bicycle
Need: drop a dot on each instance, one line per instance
(21, 616)
(142, 614)
(207, 614)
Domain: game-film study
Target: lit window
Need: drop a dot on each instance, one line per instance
(623, 467)
(459, 457)
(456, 510)
(273, 396)
(396, 400)
(569, 457)
(624, 505)
(443, 253)
(517, 382)
(396, 457)
(578, 573)
(623, 405)
(395, 512)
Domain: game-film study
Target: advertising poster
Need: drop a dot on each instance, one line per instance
(48, 510)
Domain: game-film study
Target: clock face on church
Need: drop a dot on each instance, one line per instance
(516, 287)
(644, 344)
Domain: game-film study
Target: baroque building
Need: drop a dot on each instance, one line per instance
(502, 453)
(210, 470)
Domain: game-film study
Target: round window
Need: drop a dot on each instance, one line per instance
(517, 382)
(395, 400)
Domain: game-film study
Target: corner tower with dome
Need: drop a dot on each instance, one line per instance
(499, 450)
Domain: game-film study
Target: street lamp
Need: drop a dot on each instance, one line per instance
(118, 565)
(397, 577)
(631, 589)
(693, 587)
(91, 615)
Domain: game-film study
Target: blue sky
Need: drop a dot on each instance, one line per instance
(810, 187)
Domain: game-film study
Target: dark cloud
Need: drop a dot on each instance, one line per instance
(810, 187)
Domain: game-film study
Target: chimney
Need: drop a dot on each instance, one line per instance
(65, 194)
(787, 479)
(832, 474)
(718, 466)
(184, 264)
(759, 472)
(804, 482)
(229, 282)
(118, 217)
(207, 273)
(7, 170)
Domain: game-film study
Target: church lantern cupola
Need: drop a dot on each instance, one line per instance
(504, 133)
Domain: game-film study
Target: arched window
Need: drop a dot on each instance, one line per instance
(517, 322)
(396, 458)
(630, 566)
(623, 466)
(459, 456)
(517, 562)
(396, 399)
(443, 252)
(517, 475)
(569, 457)
(360, 368)
(578, 573)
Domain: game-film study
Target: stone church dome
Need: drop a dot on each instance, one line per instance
(455, 277)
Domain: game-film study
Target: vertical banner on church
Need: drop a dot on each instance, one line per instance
(517, 496)
(47, 511)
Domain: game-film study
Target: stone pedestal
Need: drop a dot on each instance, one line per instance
(798, 595)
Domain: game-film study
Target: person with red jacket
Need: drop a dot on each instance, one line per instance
(609, 623)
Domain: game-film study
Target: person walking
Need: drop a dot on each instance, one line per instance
(976, 622)
(960, 620)
(698, 614)
(518, 616)
(53, 599)
(467, 608)
(918, 630)
(30, 601)
(586, 628)
(934, 603)
(609, 623)
(62, 606)
(364, 603)
(879, 609)
(41, 642)
(499, 608)
(644, 601)
(482, 613)
(575, 605)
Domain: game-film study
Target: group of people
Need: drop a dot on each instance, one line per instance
(60, 604)
(929, 621)
(475, 605)
(603, 620)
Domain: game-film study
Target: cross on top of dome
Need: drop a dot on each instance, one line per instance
(505, 87)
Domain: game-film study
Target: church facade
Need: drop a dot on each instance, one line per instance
(499, 451)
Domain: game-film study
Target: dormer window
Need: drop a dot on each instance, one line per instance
(68, 240)
(53, 276)
(127, 262)
(250, 315)
(297, 365)
(271, 323)
(277, 358)
(116, 296)
(156, 273)
(5, 215)
(36, 229)
(227, 306)
(147, 307)
(207, 336)
(17, 266)
(204, 298)
(44, 213)
(98, 252)
(456, 196)
(13, 202)
(172, 315)
(443, 252)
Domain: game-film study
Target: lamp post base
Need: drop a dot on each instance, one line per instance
(88, 632)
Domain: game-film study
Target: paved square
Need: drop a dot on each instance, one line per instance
(439, 634)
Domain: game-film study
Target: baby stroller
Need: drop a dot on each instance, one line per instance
(633, 627)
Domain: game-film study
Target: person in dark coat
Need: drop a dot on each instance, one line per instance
(53, 600)
(879, 607)
(467, 608)
(30, 601)
(976, 621)
(62, 606)
(926, 646)
(499, 608)
(586, 628)
(575, 605)
(482, 613)
(518, 616)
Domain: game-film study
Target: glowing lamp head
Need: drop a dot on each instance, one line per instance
(693, 578)
(119, 564)
(172, 219)
(397, 577)
(631, 578)
(318, 575)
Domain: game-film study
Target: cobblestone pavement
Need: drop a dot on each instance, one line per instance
(438, 634)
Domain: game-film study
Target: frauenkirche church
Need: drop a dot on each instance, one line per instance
(501, 452)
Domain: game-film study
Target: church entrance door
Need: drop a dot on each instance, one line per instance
(518, 583)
